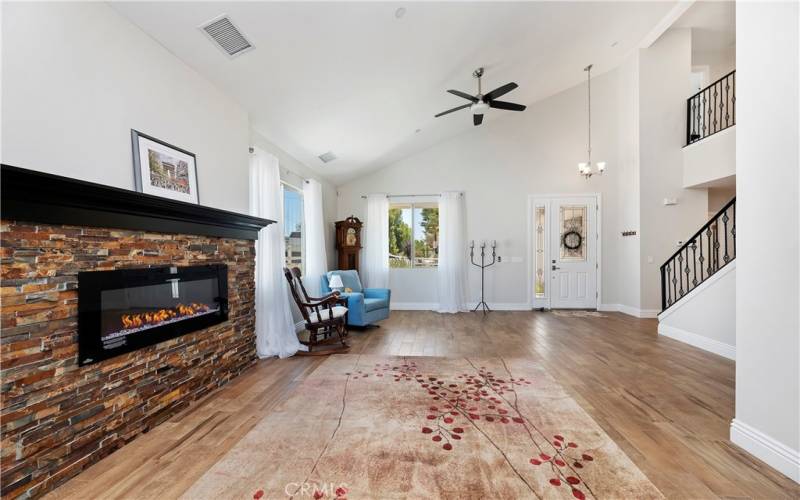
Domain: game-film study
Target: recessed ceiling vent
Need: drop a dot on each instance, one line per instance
(327, 157)
(226, 36)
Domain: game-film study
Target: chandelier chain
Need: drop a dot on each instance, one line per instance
(588, 169)
(589, 110)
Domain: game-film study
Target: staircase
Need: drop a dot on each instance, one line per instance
(711, 110)
(704, 254)
(698, 287)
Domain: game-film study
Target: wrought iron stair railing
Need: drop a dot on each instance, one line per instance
(701, 256)
(711, 110)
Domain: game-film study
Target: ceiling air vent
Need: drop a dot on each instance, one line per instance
(226, 35)
(327, 157)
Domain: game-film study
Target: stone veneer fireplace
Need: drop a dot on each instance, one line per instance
(61, 411)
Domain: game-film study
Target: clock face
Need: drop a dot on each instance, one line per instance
(350, 238)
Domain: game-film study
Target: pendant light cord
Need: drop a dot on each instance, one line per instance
(589, 90)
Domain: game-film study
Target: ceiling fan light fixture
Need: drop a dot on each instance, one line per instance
(479, 108)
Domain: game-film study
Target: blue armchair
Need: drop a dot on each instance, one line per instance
(365, 305)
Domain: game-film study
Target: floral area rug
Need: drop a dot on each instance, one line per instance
(425, 427)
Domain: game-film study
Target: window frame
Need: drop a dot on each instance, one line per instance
(411, 202)
(540, 239)
(299, 191)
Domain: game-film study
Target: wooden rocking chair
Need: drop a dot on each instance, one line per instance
(324, 316)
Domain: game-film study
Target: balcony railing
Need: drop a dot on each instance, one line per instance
(711, 110)
(706, 252)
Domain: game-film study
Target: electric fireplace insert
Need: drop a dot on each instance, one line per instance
(124, 310)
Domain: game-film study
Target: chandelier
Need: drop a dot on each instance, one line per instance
(587, 168)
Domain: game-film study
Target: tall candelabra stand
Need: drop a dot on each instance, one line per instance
(483, 265)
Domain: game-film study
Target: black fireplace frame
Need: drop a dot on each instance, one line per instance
(92, 283)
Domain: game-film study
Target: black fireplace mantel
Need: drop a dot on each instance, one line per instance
(31, 196)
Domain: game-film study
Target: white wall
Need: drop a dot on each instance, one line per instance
(626, 283)
(706, 317)
(710, 159)
(498, 165)
(767, 419)
(77, 77)
(664, 70)
(719, 196)
(719, 62)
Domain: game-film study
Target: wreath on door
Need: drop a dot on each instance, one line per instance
(572, 240)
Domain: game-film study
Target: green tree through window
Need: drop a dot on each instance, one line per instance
(413, 235)
(400, 236)
(430, 226)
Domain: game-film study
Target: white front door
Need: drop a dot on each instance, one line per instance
(572, 255)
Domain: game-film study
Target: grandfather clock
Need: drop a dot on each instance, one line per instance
(348, 242)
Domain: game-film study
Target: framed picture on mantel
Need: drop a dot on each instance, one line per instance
(164, 170)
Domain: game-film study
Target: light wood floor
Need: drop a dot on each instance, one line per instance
(666, 404)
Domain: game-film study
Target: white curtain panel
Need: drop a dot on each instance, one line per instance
(275, 333)
(376, 255)
(316, 258)
(452, 270)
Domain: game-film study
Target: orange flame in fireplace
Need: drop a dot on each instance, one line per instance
(156, 317)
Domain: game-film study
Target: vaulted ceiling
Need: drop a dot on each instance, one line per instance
(713, 25)
(355, 79)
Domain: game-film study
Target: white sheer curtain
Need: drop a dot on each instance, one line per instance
(316, 259)
(452, 270)
(275, 334)
(376, 254)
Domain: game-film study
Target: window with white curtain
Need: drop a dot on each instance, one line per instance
(293, 231)
(413, 234)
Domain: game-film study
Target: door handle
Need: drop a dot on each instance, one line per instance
(555, 268)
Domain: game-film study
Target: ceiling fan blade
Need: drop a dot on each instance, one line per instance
(464, 95)
(451, 110)
(511, 106)
(477, 119)
(505, 89)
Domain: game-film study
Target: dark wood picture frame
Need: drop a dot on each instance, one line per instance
(137, 167)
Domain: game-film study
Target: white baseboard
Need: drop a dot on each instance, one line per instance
(433, 306)
(774, 453)
(522, 306)
(639, 313)
(413, 306)
(504, 306)
(699, 341)
(629, 310)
